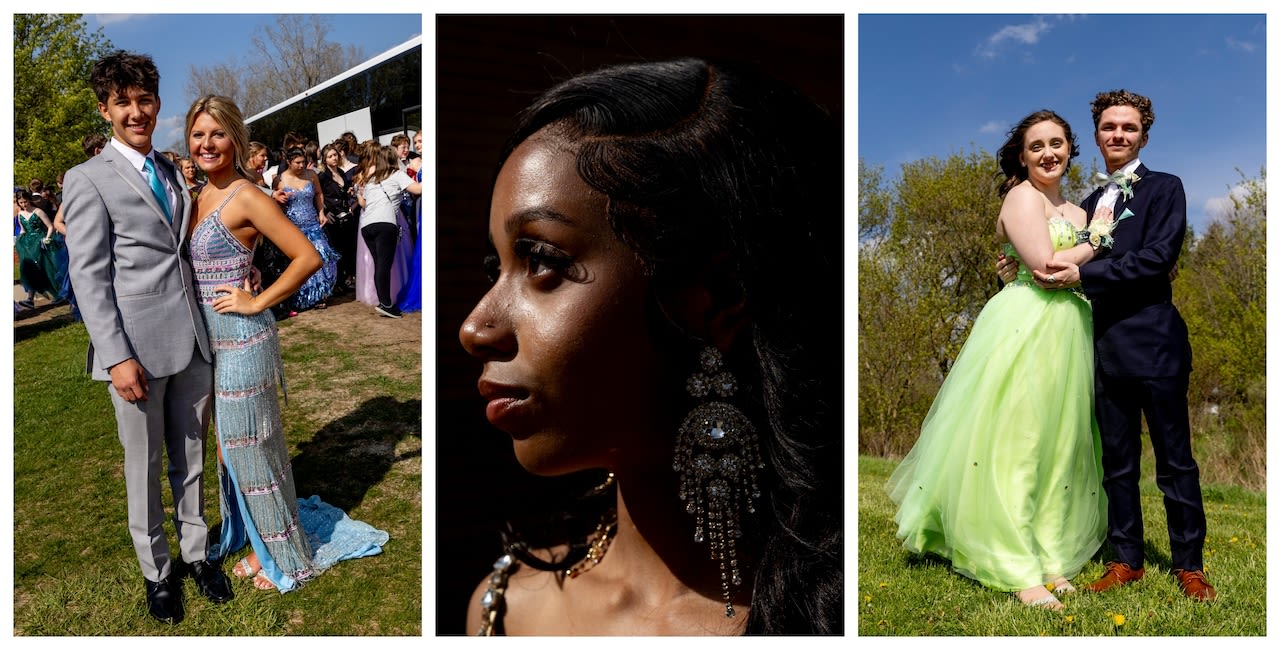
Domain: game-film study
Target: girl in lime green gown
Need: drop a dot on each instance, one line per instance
(1004, 480)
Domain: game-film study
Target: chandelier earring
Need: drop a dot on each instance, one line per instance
(717, 457)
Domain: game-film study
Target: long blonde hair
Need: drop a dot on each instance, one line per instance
(224, 111)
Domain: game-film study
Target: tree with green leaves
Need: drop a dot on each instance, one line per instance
(1221, 293)
(54, 107)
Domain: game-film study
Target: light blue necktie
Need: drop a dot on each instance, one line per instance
(157, 188)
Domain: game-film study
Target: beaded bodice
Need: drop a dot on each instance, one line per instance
(217, 257)
(301, 208)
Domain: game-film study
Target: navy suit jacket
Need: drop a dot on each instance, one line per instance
(1137, 331)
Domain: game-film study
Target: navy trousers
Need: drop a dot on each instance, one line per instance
(1119, 403)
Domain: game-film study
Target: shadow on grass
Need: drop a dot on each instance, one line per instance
(31, 330)
(353, 453)
(1153, 558)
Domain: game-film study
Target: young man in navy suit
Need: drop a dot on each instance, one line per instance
(1142, 357)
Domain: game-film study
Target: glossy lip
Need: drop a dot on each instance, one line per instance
(506, 402)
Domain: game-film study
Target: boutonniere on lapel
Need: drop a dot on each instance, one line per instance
(1098, 233)
(1124, 180)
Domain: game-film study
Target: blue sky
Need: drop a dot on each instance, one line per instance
(178, 41)
(932, 85)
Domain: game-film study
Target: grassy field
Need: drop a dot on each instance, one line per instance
(899, 594)
(353, 423)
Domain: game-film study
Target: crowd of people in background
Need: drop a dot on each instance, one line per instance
(357, 202)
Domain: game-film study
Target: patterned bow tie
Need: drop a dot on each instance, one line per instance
(1123, 180)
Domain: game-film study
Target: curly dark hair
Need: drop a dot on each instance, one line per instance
(121, 70)
(1008, 154)
(709, 161)
(1107, 99)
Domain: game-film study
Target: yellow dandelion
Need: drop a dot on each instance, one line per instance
(867, 598)
(883, 585)
(1234, 539)
(1118, 619)
(1070, 619)
(1049, 586)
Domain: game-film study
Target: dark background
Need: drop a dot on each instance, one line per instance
(487, 69)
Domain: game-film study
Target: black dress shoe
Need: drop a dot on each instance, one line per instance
(164, 600)
(211, 581)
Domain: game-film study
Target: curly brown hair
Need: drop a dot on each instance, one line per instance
(1110, 98)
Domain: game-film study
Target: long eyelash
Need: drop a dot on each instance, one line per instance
(543, 254)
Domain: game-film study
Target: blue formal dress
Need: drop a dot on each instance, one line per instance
(293, 540)
(301, 210)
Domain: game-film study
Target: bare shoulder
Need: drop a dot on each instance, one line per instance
(533, 599)
(526, 601)
(475, 608)
(1023, 191)
(251, 197)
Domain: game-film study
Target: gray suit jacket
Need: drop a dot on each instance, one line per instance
(130, 267)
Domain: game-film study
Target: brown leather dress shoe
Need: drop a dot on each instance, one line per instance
(1194, 585)
(1117, 573)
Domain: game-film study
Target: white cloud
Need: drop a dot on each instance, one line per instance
(1026, 34)
(112, 19)
(1218, 208)
(169, 134)
(992, 127)
(1236, 44)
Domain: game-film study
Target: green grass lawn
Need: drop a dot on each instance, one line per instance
(353, 423)
(901, 594)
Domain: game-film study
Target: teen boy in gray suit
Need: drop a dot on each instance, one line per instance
(127, 212)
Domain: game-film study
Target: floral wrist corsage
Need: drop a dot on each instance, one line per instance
(1098, 233)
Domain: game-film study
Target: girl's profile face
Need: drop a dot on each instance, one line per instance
(570, 369)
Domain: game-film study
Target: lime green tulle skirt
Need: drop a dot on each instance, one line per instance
(1005, 479)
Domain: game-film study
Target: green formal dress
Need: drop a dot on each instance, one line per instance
(1005, 479)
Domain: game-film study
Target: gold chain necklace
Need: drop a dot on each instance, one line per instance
(600, 539)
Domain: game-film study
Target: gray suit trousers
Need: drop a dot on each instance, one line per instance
(173, 421)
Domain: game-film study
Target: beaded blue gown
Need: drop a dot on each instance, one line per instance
(301, 210)
(294, 540)
(1005, 478)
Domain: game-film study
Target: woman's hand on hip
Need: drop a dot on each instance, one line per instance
(234, 300)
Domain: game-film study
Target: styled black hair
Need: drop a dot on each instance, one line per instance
(720, 174)
(121, 70)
